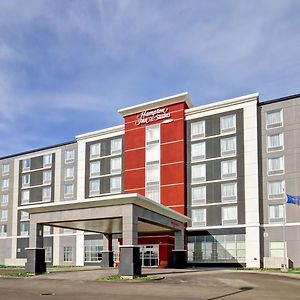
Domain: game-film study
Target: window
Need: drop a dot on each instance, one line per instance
(68, 254)
(46, 196)
(94, 187)
(199, 216)
(48, 254)
(69, 156)
(3, 230)
(276, 189)
(68, 190)
(152, 133)
(115, 165)
(69, 173)
(46, 229)
(92, 250)
(229, 215)
(24, 228)
(153, 193)
(228, 169)
(198, 151)
(199, 195)
(24, 215)
(197, 130)
(95, 168)
(275, 165)
(115, 184)
(4, 215)
(25, 197)
(5, 169)
(4, 199)
(26, 164)
(276, 213)
(229, 191)
(274, 118)
(227, 123)
(116, 146)
(95, 150)
(277, 249)
(228, 146)
(198, 173)
(153, 153)
(46, 177)
(26, 180)
(5, 184)
(275, 142)
(152, 174)
(47, 160)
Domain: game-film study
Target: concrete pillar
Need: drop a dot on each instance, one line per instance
(35, 253)
(130, 262)
(179, 256)
(107, 253)
(80, 248)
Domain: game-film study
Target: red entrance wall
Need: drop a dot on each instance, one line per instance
(172, 169)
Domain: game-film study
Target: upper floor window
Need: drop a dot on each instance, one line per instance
(5, 169)
(24, 216)
(199, 216)
(198, 195)
(152, 174)
(24, 228)
(197, 130)
(47, 160)
(115, 165)
(69, 156)
(94, 187)
(229, 215)
(95, 150)
(152, 153)
(4, 199)
(69, 173)
(46, 194)
(198, 173)
(95, 168)
(47, 177)
(274, 118)
(116, 146)
(276, 189)
(4, 214)
(68, 190)
(228, 169)
(276, 213)
(5, 184)
(228, 123)
(198, 151)
(153, 193)
(228, 146)
(275, 165)
(26, 180)
(152, 133)
(3, 229)
(229, 191)
(115, 184)
(275, 142)
(26, 164)
(25, 197)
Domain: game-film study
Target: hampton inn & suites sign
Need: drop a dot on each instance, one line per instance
(149, 116)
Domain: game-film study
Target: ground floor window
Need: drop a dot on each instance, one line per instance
(216, 248)
(93, 250)
(68, 254)
(276, 249)
(48, 254)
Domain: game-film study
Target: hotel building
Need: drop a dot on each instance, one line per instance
(226, 165)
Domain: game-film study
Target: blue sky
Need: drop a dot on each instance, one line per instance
(67, 66)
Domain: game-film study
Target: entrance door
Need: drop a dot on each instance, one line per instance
(149, 255)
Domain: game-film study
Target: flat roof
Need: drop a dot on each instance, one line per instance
(290, 97)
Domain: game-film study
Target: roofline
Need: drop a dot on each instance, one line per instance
(114, 129)
(37, 150)
(222, 103)
(290, 97)
(155, 103)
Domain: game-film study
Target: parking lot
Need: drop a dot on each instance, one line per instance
(208, 284)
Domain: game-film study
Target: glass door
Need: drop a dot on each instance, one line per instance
(149, 255)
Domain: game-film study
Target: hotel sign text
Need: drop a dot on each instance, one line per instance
(149, 116)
